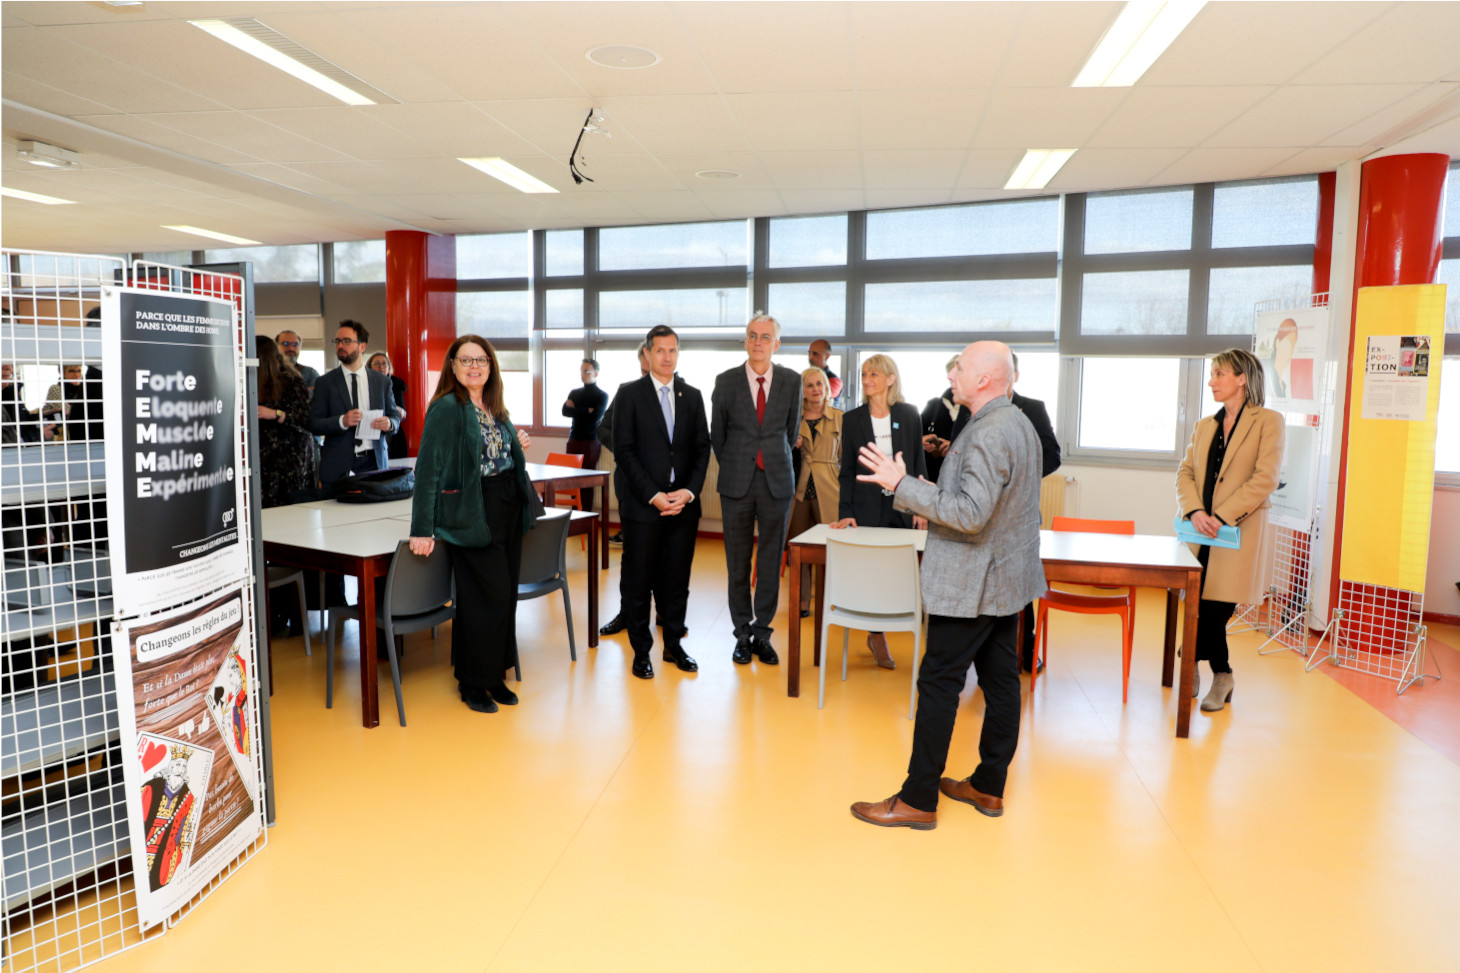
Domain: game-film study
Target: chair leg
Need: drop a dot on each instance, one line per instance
(846, 640)
(329, 664)
(1128, 630)
(324, 612)
(392, 640)
(568, 614)
(821, 693)
(303, 612)
(1041, 641)
(912, 701)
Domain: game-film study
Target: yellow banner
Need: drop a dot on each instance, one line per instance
(1399, 342)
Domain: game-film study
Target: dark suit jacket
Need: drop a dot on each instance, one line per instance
(643, 454)
(864, 501)
(331, 400)
(737, 435)
(1038, 416)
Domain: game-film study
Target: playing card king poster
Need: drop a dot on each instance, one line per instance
(189, 740)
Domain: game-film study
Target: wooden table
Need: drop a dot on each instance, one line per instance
(553, 478)
(1144, 560)
(326, 535)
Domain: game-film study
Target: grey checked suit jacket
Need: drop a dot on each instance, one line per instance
(737, 435)
(982, 556)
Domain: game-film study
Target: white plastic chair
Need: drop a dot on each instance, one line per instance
(878, 573)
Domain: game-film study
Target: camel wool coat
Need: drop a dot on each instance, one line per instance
(1246, 481)
(822, 460)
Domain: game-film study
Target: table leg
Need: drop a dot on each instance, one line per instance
(593, 538)
(602, 535)
(1168, 658)
(369, 700)
(818, 588)
(793, 610)
(1188, 656)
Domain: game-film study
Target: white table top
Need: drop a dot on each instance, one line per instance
(279, 523)
(817, 535)
(1133, 549)
(371, 538)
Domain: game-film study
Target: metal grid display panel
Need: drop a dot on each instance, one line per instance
(1381, 631)
(67, 882)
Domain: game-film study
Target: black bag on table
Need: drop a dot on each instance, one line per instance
(376, 487)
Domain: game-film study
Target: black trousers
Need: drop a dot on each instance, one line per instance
(988, 644)
(742, 516)
(1211, 623)
(589, 449)
(484, 633)
(656, 561)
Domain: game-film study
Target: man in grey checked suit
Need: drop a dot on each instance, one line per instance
(755, 414)
(980, 568)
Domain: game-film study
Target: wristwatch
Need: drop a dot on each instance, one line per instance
(278, 415)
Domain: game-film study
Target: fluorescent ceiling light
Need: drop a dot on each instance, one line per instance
(229, 34)
(1037, 168)
(212, 235)
(510, 174)
(47, 156)
(36, 197)
(1142, 32)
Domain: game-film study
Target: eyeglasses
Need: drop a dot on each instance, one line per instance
(288, 344)
(472, 362)
(346, 341)
(759, 339)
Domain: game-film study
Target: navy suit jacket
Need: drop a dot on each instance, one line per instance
(331, 400)
(737, 435)
(644, 454)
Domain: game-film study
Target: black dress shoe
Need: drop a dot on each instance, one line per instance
(805, 613)
(681, 659)
(503, 695)
(617, 538)
(615, 625)
(742, 653)
(477, 699)
(643, 668)
(767, 654)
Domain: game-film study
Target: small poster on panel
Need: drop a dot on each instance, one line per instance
(1397, 377)
(188, 722)
(1292, 502)
(174, 456)
(1291, 346)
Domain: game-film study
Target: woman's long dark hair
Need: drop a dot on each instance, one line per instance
(273, 366)
(492, 396)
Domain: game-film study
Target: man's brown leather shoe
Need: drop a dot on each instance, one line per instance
(892, 813)
(962, 790)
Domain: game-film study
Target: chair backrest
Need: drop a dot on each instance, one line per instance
(565, 459)
(868, 575)
(544, 548)
(1089, 526)
(416, 584)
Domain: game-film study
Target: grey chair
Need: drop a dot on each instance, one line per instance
(281, 577)
(419, 594)
(545, 567)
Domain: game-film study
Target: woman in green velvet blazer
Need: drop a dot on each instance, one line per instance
(473, 492)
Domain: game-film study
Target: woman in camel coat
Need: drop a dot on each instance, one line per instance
(1229, 474)
(818, 485)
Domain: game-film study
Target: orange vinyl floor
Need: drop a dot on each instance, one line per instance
(700, 822)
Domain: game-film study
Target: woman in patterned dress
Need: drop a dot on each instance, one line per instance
(285, 449)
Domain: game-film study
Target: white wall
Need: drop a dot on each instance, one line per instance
(1444, 567)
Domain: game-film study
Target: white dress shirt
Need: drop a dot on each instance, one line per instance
(363, 376)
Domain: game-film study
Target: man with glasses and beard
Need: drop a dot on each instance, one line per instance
(342, 399)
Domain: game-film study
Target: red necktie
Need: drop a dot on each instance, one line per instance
(760, 417)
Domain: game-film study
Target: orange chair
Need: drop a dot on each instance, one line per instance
(1122, 605)
(568, 498)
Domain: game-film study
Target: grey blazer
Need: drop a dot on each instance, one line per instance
(737, 436)
(982, 556)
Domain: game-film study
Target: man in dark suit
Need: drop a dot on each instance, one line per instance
(1049, 445)
(341, 399)
(757, 416)
(662, 450)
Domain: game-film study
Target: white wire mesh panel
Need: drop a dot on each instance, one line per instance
(67, 882)
(1381, 629)
(1287, 620)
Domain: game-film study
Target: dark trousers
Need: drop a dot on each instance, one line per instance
(484, 632)
(589, 450)
(1211, 633)
(988, 644)
(656, 561)
(742, 517)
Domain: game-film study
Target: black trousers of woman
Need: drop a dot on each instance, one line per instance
(1211, 624)
(484, 633)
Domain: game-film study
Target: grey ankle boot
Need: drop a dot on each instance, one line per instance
(1220, 695)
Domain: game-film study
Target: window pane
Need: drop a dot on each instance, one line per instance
(1236, 290)
(702, 308)
(1267, 213)
(1450, 276)
(517, 392)
(1039, 378)
(175, 258)
(1019, 226)
(1447, 426)
(963, 306)
(561, 377)
(615, 367)
(1129, 403)
(565, 309)
(1138, 222)
(699, 366)
(493, 255)
(360, 262)
(564, 253)
(808, 241)
(273, 265)
(494, 314)
(1141, 302)
(679, 245)
(815, 310)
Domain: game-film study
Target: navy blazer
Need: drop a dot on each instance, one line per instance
(644, 454)
(331, 400)
(737, 435)
(863, 501)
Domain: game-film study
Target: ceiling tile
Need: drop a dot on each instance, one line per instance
(928, 119)
(742, 203)
(1413, 113)
(988, 168)
(453, 129)
(814, 170)
(245, 133)
(549, 124)
(669, 207)
(49, 56)
(1307, 114)
(1152, 117)
(1053, 42)
(1220, 164)
(809, 202)
(783, 122)
(912, 169)
(1391, 48)
(46, 97)
(753, 174)
(675, 123)
(931, 46)
(1321, 159)
(1093, 169)
(772, 47)
(144, 129)
(352, 132)
(1045, 118)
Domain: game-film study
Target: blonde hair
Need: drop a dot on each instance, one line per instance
(885, 365)
(1244, 363)
(810, 371)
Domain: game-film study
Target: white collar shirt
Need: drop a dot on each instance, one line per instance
(363, 377)
(754, 380)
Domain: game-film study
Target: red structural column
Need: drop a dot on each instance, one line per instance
(420, 315)
(1323, 242)
(1397, 241)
